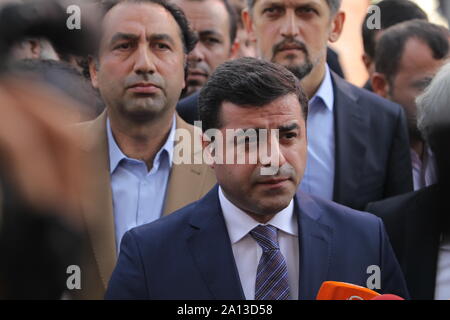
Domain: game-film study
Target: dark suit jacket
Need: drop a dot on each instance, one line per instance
(188, 254)
(372, 156)
(333, 62)
(413, 224)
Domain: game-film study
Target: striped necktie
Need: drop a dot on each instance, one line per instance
(271, 277)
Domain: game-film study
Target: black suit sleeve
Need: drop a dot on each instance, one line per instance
(128, 280)
(399, 173)
(392, 279)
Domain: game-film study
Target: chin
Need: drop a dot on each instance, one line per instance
(273, 207)
(144, 112)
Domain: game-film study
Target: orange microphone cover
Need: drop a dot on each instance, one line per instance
(334, 290)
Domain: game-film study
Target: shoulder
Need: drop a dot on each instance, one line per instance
(400, 204)
(372, 102)
(190, 101)
(91, 134)
(167, 229)
(340, 217)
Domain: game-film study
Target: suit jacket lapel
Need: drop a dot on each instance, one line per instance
(97, 203)
(351, 127)
(188, 181)
(422, 245)
(315, 247)
(211, 249)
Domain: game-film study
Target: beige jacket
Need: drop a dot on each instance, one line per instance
(187, 183)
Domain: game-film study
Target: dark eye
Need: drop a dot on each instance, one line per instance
(290, 135)
(307, 10)
(211, 41)
(162, 46)
(123, 46)
(272, 11)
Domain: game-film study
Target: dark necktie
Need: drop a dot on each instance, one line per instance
(272, 276)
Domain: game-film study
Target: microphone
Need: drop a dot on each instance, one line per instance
(387, 297)
(334, 290)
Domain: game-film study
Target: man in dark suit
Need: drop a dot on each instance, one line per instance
(358, 148)
(421, 49)
(252, 237)
(418, 223)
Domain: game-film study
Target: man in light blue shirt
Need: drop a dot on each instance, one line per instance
(138, 194)
(319, 173)
(139, 172)
(357, 142)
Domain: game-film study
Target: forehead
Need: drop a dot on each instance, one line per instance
(138, 17)
(285, 109)
(418, 58)
(204, 14)
(292, 3)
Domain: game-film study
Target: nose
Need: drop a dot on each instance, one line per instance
(275, 158)
(196, 55)
(144, 63)
(289, 28)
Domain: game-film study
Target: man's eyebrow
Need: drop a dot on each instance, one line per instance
(134, 37)
(205, 33)
(288, 127)
(161, 37)
(421, 83)
(123, 36)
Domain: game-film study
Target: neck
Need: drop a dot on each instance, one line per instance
(263, 219)
(140, 141)
(418, 146)
(312, 81)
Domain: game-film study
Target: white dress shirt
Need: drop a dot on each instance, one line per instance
(424, 172)
(442, 288)
(247, 251)
(318, 179)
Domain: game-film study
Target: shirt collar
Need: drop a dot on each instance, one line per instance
(325, 91)
(116, 155)
(239, 224)
(417, 160)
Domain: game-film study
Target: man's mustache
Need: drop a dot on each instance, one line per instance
(153, 79)
(289, 44)
(286, 171)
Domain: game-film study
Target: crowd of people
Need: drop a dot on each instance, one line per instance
(126, 160)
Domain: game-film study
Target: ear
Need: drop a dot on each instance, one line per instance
(380, 85)
(185, 70)
(367, 60)
(93, 68)
(234, 49)
(35, 48)
(248, 24)
(208, 151)
(337, 25)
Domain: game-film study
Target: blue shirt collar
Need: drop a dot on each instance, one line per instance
(116, 155)
(325, 91)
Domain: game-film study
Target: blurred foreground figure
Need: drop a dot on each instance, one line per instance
(41, 181)
(42, 171)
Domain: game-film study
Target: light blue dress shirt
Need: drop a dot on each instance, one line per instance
(319, 174)
(138, 195)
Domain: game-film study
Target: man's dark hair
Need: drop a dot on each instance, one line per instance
(246, 82)
(390, 47)
(188, 37)
(333, 4)
(391, 13)
(232, 17)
